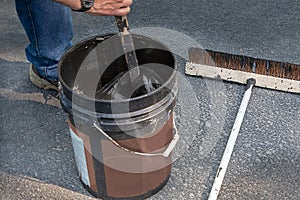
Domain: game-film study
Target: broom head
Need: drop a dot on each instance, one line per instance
(270, 74)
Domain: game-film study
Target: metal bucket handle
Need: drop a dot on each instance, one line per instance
(165, 154)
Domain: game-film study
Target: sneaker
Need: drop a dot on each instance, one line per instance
(40, 81)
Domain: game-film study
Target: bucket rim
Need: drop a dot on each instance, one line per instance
(101, 38)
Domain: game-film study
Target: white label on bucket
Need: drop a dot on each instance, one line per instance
(78, 147)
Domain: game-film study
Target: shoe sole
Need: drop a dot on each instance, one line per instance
(40, 82)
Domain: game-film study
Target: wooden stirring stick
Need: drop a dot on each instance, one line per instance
(128, 47)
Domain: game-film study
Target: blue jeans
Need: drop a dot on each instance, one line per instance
(48, 26)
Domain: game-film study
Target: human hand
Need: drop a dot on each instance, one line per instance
(110, 7)
(102, 7)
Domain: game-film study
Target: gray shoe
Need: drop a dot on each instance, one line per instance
(41, 82)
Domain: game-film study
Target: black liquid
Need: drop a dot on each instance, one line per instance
(122, 87)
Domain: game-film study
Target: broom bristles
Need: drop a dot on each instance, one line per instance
(244, 63)
(269, 74)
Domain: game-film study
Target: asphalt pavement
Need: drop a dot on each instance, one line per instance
(36, 155)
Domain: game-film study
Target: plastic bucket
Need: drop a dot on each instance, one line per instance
(122, 146)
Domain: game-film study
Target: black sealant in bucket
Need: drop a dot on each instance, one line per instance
(122, 144)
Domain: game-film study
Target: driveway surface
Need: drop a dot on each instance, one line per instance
(36, 155)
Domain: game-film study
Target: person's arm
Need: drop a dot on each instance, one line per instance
(102, 7)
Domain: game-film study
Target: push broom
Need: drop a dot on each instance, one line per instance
(269, 74)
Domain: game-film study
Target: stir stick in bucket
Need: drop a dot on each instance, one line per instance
(128, 47)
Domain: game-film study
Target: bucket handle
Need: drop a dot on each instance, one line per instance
(165, 154)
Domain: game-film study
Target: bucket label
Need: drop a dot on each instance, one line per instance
(78, 147)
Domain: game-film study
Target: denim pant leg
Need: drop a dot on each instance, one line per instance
(48, 26)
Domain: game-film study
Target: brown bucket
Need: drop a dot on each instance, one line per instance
(123, 147)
